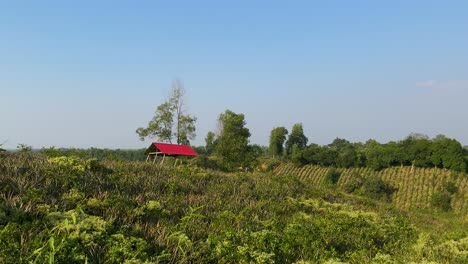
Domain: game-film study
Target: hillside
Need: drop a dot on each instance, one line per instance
(75, 210)
(414, 187)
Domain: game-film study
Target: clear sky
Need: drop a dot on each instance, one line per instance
(88, 73)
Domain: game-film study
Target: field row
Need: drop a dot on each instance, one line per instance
(415, 186)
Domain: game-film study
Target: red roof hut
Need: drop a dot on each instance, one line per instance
(171, 150)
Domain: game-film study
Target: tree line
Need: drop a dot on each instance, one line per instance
(415, 150)
(228, 148)
(96, 153)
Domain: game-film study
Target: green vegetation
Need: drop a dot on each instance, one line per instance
(76, 210)
(405, 187)
(296, 138)
(416, 150)
(441, 200)
(398, 202)
(277, 139)
(210, 142)
(170, 120)
(96, 153)
(332, 176)
(232, 144)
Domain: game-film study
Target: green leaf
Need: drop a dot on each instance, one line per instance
(73, 218)
(37, 251)
(51, 243)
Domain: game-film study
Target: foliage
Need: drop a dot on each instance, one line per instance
(451, 187)
(332, 176)
(232, 145)
(297, 138)
(296, 155)
(416, 150)
(377, 188)
(442, 200)
(354, 184)
(108, 154)
(371, 186)
(375, 155)
(78, 210)
(170, 120)
(210, 142)
(24, 148)
(277, 139)
(413, 187)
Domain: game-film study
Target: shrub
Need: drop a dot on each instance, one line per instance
(121, 248)
(332, 176)
(204, 161)
(376, 188)
(451, 187)
(453, 251)
(354, 184)
(442, 200)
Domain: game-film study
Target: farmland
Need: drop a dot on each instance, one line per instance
(414, 186)
(226, 132)
(68, 209)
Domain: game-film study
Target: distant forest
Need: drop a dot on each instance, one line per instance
(415, 150)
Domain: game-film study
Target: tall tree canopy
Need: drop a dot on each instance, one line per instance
(277, 138)
(296, 137)
(232, 144)
(210, 142)
(448, 153)
(170, 120)
(416, 150)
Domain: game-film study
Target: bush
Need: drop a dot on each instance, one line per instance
(204, 161)
(453, 251)
(132, 212)
(442, 200)
(371, 186)
(332, 176)
(451, 187)
(376, 188)
(354, 184)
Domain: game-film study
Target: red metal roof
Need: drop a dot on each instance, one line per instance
(172, 149)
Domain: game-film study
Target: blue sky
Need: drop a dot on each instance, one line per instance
(88, 73)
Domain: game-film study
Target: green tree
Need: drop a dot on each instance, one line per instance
(170, 120)
(24, 148)
(327, 156)
(375, 155)
(339, 144)
(448, 153)
(417, 150)
(232, 144)
(465, 154)
(210, 142)
(296, 137)
(296, 156)
(277, 138)
(395, 154)
(310, 154)
(346, 154)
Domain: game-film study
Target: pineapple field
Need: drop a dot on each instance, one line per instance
(414, 187)
(68, 209)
